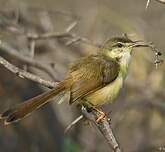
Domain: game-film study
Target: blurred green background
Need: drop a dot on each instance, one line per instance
(138, 115)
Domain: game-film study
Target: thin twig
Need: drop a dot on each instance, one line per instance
(73, 37)
(71, 26)
(34, 36)
(161, 1)
(73, 123)
(32, 48)
(6, 48)
(23, 74)
(66, 34)
(149, 1)
(147, 4)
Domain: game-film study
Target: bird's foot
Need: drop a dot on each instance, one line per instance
(100, 114)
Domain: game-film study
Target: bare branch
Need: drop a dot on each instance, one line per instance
(161, 1)
(73, 123)
(23, 74)
(35, 36)
(32, 48)
(149, 1)
(73, 37)
(66, 34)
(104, 127)
(147, 4)
(71, 26)
(6, 48)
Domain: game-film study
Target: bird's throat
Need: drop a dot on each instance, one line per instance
(124, 65)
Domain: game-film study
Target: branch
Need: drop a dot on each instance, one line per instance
(104, 127)
(160, 1)
(73, 37)
(23, 74)
(66, 34)
(6, 48)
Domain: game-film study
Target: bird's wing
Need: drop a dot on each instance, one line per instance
(90, 74)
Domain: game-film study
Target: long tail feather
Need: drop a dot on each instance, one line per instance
(25, 108)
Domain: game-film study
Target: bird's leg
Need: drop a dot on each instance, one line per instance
(100, 114)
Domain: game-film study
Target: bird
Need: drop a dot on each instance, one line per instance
(91, 81)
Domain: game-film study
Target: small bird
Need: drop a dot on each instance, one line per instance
(91, 81)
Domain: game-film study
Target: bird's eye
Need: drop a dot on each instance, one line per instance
(119, 45)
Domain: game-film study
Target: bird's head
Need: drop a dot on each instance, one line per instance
(120, 48)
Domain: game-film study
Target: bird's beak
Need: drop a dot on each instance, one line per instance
(140, 43)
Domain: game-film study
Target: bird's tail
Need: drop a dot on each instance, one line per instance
(25, 108)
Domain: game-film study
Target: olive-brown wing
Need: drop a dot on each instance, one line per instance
(90, 74)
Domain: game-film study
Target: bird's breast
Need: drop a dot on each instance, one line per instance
(106, 94)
